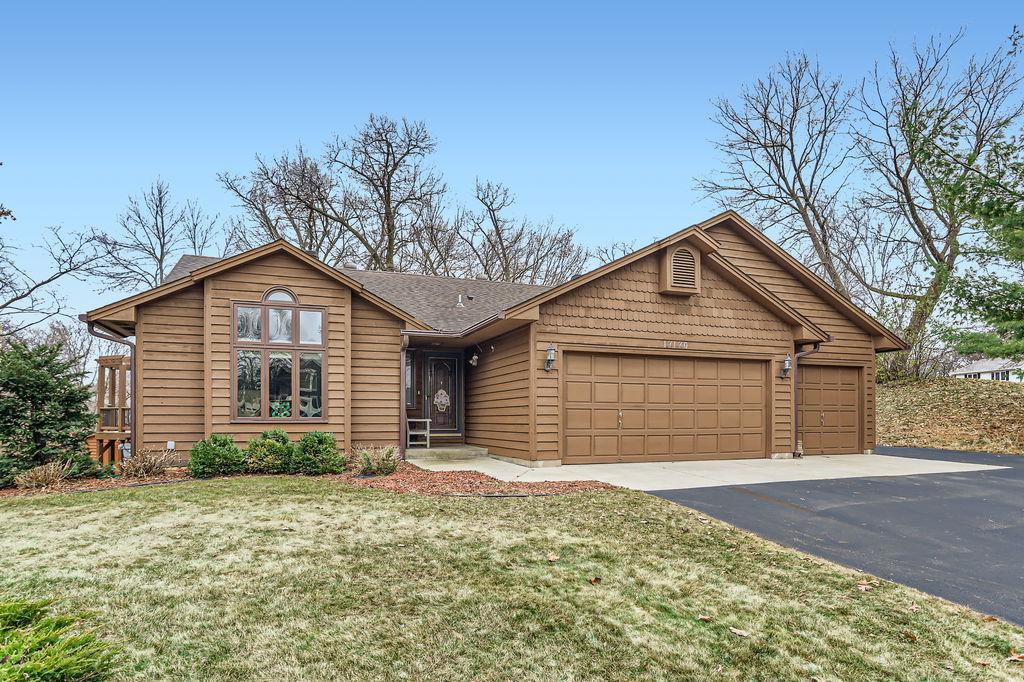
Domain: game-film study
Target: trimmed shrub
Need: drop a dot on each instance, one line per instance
(279, 435)
(35, 645)
(268, 455)
(374, 460)
(147, 463)
(317, 453)
(44, 475)
(215, 456)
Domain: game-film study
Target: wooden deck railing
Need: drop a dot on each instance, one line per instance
(114, 415)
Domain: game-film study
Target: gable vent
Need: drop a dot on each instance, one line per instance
(684, 269)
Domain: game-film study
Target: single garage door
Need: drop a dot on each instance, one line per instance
(644, 408)
(828, 398)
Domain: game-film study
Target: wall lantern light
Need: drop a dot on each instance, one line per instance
(474, 359)
(787, 367)
(550, 361)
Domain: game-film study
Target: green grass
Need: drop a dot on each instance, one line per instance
(296, 578)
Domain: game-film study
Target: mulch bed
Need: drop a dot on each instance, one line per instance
(408, 479)
(411, 479)
(90, 485)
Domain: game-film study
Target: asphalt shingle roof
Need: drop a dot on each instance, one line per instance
(989, 365)
(434, 300)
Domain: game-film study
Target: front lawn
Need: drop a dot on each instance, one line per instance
(295, 578)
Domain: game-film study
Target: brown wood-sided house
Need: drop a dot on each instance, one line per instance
(703, 345)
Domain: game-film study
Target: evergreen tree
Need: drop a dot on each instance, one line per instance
(44, 410)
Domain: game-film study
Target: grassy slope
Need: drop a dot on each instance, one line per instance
(958, 414)
(289, 578)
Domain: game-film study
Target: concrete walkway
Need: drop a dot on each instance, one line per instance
(651, 476)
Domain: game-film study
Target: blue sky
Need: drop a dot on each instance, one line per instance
(595, 116)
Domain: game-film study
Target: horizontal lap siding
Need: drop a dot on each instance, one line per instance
(851, 345)
(497, 397)
(248, 283)
(170, 364)
(376, 374)
(625, 310)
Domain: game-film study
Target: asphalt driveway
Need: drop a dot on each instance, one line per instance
(956, 535)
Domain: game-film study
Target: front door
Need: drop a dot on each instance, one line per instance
(443, 392)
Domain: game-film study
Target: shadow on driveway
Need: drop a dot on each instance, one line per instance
(959, 536)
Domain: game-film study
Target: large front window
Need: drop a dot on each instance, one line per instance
(279, 359)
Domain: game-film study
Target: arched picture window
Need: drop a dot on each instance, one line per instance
(279, 352)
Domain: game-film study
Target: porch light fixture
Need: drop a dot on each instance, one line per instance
(474, 359)
(787, 367)
(549, 362)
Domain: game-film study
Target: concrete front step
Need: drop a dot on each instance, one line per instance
(446, 452)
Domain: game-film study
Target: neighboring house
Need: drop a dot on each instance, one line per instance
(995, 370)
(698, 346)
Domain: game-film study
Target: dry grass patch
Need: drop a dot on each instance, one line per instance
(954, 414)
(304, 578)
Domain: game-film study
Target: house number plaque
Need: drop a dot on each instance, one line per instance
(675, 344)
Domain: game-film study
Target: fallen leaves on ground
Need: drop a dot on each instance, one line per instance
(596, 580)
(552, 558)
(955, 414)
(738, 632)
(704, 619)
(865, 585)
(1015, 657)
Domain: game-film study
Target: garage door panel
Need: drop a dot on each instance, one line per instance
(707, 419)
(729, 395)
(683, 394)
(577, 364)
(706, 395)
(578, 391)
(633, 393)
(606, 365)
(632, 366)
(578, 446)
(606, 419)
(578, 418)
(605, 446)
(682, 368)
(683, 419)
(658, 408)
(751, 395)
(606, 392)
(634, 419)
(659, 419)
(659, 393)
(659, 368)
(751, 419)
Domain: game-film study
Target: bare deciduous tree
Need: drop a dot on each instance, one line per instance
(607, 253)
(843, 177)
(785, 158)
(27, 300)
(154, 232)
(364, 197)
(319, 222)
(915, 100)
(514, 249)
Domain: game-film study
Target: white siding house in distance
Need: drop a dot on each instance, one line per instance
(993, 370)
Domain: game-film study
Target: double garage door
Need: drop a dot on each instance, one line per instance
(642, 408)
